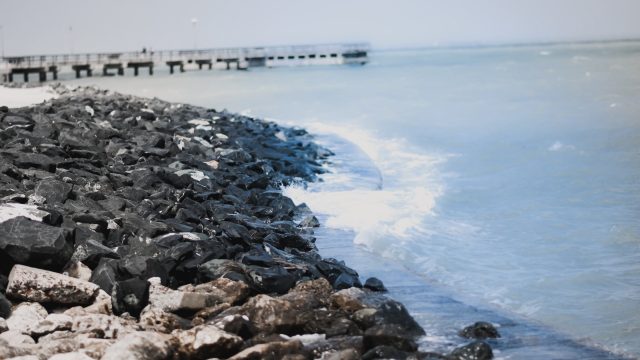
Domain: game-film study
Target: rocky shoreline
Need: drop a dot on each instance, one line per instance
(134, 228)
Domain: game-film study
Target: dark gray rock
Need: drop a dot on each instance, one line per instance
(90, 252)
(477, 350)
(105, 274)
(480, 330)
(375, 284)
(339, 275)
(5, 307)
(310, 221)
(271, 280)
(54, 191)
(390, 335)
(24, 241)
(385, 352)
(130, 296)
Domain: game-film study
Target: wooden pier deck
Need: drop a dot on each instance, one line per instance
(241, 58)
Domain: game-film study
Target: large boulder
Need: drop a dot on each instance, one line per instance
(26, 317)
(142, 345)
(170, 300)
(477, 350)
(480, 330)
(54, 191)
(29, 242)
(32, 284)
(205, 341)
(270, 351)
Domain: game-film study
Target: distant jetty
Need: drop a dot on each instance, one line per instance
(240, 58)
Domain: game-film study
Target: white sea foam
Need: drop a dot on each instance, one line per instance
(390, 201)
(559, 146)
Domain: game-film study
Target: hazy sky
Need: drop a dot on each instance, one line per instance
(42, 26)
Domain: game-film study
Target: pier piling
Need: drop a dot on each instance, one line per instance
(138, 64)
(178, 63)
(80, 68)
(117, 66)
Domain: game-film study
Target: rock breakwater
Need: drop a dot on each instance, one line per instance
(134, 228)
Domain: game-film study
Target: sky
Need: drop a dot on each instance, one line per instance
(78, 26)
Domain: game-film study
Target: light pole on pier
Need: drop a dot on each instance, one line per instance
(71, 39)
(194, 22)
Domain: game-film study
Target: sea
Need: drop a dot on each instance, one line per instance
(502, 183)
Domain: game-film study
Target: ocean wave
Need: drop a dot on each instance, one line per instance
(381, 189)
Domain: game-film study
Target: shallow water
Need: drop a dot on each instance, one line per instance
(508, 176)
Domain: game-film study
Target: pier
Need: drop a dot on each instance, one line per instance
(242, 58)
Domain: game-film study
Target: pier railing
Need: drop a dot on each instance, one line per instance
(178, 55)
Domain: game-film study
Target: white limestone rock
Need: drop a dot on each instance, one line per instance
(26, 317)
(144, 345)
(174, 300)
(205, 341)
(31, 284)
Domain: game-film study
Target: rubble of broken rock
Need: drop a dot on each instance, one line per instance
(135, 228)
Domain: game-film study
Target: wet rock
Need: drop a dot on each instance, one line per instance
(390, 335)
(365, 318)
(24, 241)
(392, 312)
(202, 342)
(32, 284)
(26, 317)
(477, 350)
(339, 275)
(385, 352)
(310, 221)
(130, 296)
(348, 354)
(348, 299)
(480, 330)
(270, 351)
(324, 347)
(141, 346)
(374, 284)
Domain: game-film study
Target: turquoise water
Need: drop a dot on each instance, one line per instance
(509, 176)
